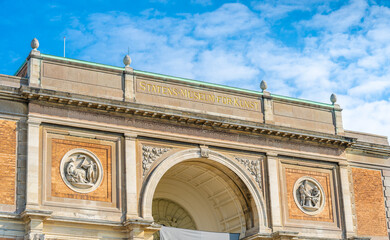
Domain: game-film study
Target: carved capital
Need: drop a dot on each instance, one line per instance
(130, 136)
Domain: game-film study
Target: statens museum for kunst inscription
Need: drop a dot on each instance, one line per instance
(192, 94)
(81, 170)
(309, 195)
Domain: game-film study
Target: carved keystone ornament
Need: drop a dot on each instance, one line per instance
(81, 170)
(309, 195)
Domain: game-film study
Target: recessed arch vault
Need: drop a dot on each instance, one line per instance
(255, 210)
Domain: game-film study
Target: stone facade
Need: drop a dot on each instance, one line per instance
(90, 151)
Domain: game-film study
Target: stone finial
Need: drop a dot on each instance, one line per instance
(34, 44)
(333, 98)
(127, 60)
(263, 85)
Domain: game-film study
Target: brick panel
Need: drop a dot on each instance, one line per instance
(7, 161)
(292, 175)
(369, 202)
(59, 189)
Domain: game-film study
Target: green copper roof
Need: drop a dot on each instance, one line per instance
(182, 79)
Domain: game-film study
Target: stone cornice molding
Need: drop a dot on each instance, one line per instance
(36, 214)
(371, 148)
(186, 117)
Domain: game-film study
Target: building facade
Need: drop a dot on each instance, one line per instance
(91, 151)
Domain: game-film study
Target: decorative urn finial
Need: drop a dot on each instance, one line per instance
(34, 44)
(263, 85)
(333, 98)
(127, 60)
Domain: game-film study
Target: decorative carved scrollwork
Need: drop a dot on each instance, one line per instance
(81, 170)
(254, 167)
(149, 155)
(309, 195)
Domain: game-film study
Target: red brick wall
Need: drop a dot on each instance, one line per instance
(369, 202)
(292, 175)
(7, 161)
(59, 189)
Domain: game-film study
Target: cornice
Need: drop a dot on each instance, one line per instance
(371, 148)
(181, 117)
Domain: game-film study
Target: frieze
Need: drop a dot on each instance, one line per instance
(254, 167)
(151, 154)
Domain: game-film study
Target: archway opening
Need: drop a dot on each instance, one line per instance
(204, 195)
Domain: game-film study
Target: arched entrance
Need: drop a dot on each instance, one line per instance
(211, 191)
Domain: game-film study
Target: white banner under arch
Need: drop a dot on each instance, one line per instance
(170, 233)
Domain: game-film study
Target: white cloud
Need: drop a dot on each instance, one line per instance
(346, 51)
(230, 19)
(202, 2)
(340, 20)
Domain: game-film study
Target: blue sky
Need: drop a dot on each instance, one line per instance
(305, 49)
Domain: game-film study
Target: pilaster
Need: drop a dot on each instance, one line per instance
(274, 191)
(32, 191)
(346, 190)
(131, 176)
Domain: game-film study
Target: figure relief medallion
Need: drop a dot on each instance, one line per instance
(81, 170)
(309, 195)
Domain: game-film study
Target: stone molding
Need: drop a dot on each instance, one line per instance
(140, 110)
(152, 179)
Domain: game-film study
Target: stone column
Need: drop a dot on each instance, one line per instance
(274, 191)
(131, 176)
(346, 191)
(32, 191)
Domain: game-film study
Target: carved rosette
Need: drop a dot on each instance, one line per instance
(151, 154)
(254, 167)
(309, 195)
(81, 170)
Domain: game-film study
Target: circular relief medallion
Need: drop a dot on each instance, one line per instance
(81, 170)
(309, 195)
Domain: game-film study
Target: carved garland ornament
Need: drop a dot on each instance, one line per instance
(81, 170)
(309, 195)
(253, 166)
(149, 155)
